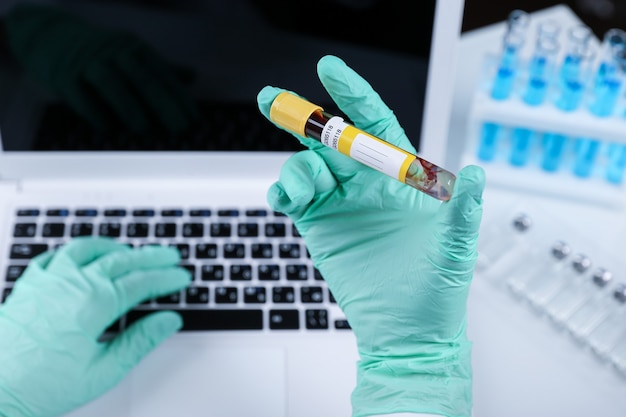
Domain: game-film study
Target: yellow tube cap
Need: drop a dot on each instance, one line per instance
(291, 112)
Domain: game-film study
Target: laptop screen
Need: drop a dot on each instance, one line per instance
(183, 76)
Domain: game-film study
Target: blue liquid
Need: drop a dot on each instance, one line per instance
(571, 95)
(570, 70)
(554, 148)
(520, 150)
(586, 152)
(488, 141)
(535, 91)
(503, 84)
(606, 93)
(617, 163)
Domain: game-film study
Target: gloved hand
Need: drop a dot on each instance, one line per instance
(106, 76)
(398, 262)
(52, 361)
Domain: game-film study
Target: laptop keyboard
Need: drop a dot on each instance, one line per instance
(250, 267)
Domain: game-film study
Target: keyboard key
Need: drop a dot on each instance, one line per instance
(256, 213)
(331, 297)
(27, 250)
(262, 250)
(226, 295)
(317, 275)
(316, 319)
(5, 293)
(197, 295)
(110, 229)
(88, 212)
(206, 251)
(298, 272)
(31, 212)
(240, 272)
(172, 213)
(165, 230)
(137, 229)
(311, 294)
(254, 295)
(59, 212)
(283, 295)
(294, 231)
(114, 212)
(200, 213)
(234, 250)
(342, 324)
(220, 230)
(248, 230)
(289, 250)
(14, 272)
(284, 319)
(53, 230)
(193, 230)
(81, 229)
(228, 213)
(212, 273)
(275, 230)
(268, 272)
(143, 213)
(183, 249)
(279, 214)
(25, 230)
(205, 319)
(173, 298)
(191, 269)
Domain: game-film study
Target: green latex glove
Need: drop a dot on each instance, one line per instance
(51, 356)
(398, 262)
(108, 77)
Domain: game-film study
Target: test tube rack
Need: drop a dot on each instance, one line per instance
(511, 139)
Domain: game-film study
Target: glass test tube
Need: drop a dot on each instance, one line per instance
(529, 271)
(575, 295)
(521, 146)
(608, 79)
(544, 287)
(603, 338)
(585, 319)
(306, 119)
(553, 151)
(586, 151)
(573, 69)
(540, 70)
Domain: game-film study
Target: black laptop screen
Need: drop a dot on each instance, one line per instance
(183, 75)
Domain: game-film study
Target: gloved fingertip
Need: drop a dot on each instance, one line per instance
(266, 97)
(329, 62)
(168, 323)
(166, 254)
(471, 181)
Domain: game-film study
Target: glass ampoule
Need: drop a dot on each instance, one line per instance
(508, 67)
(603, 338)
(609, 74)
(548, 263)
(585, 154)
(495, 243)
(580, 290)
(541, 290)
(307, 119)
(589, 316)
(616, 155)
(521, 146)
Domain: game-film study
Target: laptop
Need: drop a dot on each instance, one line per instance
(263, 335)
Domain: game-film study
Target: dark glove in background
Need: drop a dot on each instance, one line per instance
(108, 77)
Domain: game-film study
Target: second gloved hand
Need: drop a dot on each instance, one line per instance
(398, 262)
(51, 356)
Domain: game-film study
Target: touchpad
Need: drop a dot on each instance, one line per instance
(179, 380)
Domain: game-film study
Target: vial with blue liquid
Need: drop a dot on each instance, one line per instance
(609, 74)
(540, 70)
(573, 72)
(504, 80)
